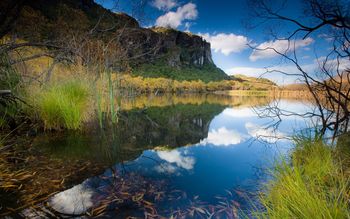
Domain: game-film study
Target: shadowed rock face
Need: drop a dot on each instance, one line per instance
(137, 130)
(50, 19)
(174, 47)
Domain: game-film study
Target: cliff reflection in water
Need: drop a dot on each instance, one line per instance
(145, 123)
(166, 154)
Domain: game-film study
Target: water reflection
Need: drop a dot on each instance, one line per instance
(170, 126)
(223, 137)
(178, 158)
(174, 159)
(268, 134)
(74, 201)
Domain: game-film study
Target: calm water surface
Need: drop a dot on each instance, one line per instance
(185, 156)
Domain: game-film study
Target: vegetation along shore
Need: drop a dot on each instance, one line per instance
(122, 110)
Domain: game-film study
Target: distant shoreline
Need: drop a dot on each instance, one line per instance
(269, 93)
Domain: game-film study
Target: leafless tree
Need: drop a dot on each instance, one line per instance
(106, 44)
(102, 45)
(329, 84)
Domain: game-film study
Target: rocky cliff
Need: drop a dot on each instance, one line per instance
(175, 47)
(151, 52)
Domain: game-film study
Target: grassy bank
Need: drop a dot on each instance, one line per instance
(269, 92)
(63, 105)
(152, 85)
(254, 93)
(314, 184)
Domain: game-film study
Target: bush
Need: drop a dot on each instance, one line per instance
(63, 105)
(312, 186)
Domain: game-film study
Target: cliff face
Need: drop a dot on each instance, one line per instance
(192, 49)
(55, 19)
(173, 47)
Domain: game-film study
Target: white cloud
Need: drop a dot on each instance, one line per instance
(281, 79)
(188, 26)
(164, 5)
(226, 43)
(332, 64)
(266, 50)
(236, 112)
(76, 200)
(176, 157)
(175, 19)
(263, 133)
(259, 72)
(326, 37)
(223, 137)
(166, 168)
(275, 76)
(247, 71)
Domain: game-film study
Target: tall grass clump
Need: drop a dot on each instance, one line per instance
(312, 185)
(63, 105)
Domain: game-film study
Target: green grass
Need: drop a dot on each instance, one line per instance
(63, 105)
(206, 73)
(312, 185)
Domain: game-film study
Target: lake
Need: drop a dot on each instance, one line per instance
(182, 156)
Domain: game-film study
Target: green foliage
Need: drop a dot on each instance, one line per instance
(206, 73)
(313, 186)
(63, 105)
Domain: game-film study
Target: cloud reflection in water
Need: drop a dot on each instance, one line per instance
(74, 201)
(175, 160)
(223, 137)
(267, 134)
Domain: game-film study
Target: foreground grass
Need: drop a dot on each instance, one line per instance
(312, 185)
(63, 105)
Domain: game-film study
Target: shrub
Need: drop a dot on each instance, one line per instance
(63, 105)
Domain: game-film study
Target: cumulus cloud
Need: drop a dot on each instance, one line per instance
(188, 26)
(166, 168)
(174, 19)
(275, 76)
(245, 70)
(263, 133)
(223, 137)
(239, 112)
(266, 50)
(326, 37)
(76, 200)
(174, 156)
(332, 64)
(226, 43)
(164, 5)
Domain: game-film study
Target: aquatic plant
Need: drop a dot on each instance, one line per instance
(63, 105)
(99, 108)
(312, 186)
(107, 98)
(111, 94)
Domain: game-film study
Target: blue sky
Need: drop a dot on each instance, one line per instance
(221, 22)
